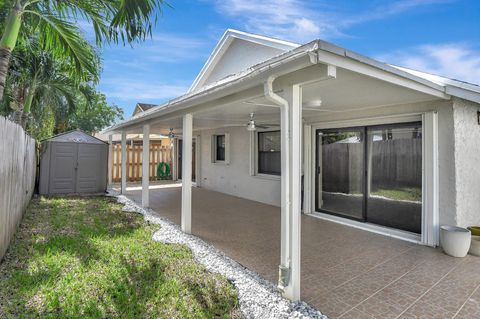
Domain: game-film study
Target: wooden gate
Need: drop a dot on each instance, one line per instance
(158, 153)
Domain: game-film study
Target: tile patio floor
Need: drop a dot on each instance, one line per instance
(346, 272)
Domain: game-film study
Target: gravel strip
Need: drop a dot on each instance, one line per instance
(258, 298)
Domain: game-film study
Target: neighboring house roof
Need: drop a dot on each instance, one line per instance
(325, 52)
(142, 107)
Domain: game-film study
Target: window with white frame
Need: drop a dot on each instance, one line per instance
(220, 148)
(268, 153)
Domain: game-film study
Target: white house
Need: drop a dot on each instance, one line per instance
(322, 130)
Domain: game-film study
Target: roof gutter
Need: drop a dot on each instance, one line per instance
(315, 50)
(222, 86)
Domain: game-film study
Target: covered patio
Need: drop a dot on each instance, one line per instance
(268, 218)
(346, 272)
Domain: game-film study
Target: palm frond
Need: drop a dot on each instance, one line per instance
(63, 39)
(96, 12)
(133, 20)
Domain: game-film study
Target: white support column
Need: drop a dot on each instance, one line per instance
(174, 157)
(198, 159)
(187, 173)
(123, 187)
(285, 201)
(307, 169)
(292, 291)
(430, 192)
(146, 165)
(110, 159)
(291, 127)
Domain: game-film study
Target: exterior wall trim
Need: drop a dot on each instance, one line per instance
(430, 191)
(386, 231)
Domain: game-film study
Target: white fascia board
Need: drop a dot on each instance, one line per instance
(356, 63)
(453, 87)
(264, 40)
(441, 80)
(225, 42)
(326, 53)
(243, 80)
(463, 93)
(324, 46)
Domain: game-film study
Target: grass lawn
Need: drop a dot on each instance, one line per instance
(406, 193)
(85, 258)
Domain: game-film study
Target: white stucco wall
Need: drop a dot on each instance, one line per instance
(240, 56)
(467, 162)
(235, 178)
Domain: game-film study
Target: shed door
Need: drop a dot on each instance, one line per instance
(62, 168)
(88, 168)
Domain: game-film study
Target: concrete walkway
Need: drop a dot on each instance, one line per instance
(346, 272)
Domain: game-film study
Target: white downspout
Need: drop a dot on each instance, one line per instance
(290, 289)
(285, 179)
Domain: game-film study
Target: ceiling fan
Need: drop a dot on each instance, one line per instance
(171, 134)
(252, 126)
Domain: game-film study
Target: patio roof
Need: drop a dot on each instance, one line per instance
(317, 51)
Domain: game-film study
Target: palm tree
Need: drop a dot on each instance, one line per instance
(112, 20)
(39, 80)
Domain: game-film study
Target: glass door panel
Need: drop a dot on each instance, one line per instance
(394, 174)
(180, 151)
(340, 172)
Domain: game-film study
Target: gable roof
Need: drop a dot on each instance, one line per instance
(142, 107)
(224, 43)
(439, 86)
(76, 136)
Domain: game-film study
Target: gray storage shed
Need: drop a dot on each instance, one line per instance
(73, 162)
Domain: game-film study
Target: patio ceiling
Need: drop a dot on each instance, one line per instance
(349, 91)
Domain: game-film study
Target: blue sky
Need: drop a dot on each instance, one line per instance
(437, 36)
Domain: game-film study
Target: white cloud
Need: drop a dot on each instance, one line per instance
(142, 90)
(302, 21)
(453, 60)
(163, 48)
(384, 11)
(281, 18)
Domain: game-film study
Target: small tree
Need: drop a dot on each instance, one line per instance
(38, 80)
(95, 115)
(55, 20)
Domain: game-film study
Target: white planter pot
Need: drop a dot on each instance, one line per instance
(455, 241)
(475, 246)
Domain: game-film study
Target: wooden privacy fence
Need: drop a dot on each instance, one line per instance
(17, 178)
(393, 163)
(158, 153)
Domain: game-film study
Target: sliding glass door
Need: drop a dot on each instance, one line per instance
(395, 176)
(372, 174)
(340, 169)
